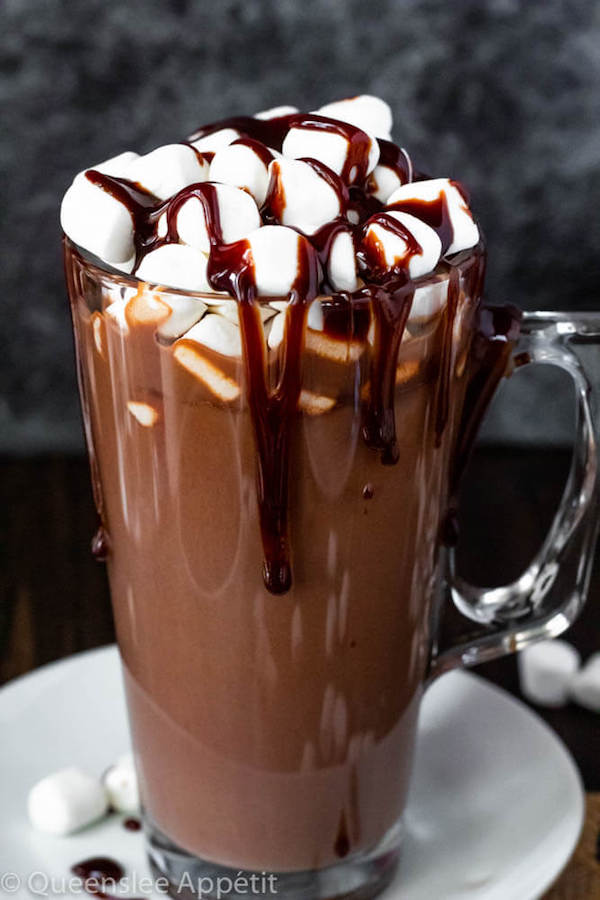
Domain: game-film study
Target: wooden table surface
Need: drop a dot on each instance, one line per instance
(54, 597)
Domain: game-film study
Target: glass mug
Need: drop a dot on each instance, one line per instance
(274, 732)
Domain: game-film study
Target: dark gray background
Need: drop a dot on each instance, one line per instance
(502, 94)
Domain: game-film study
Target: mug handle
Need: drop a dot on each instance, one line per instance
(549, 594)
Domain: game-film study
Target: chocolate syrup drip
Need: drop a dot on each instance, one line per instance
(132, 824)
(270, 132)
(390, 308)
(496, 333)
(363, 205)
(272, 412)
(97, 873)
(355, 166)
(101, 544)
(434, 213)
(342, 841)
(372, 254)
(444, 382)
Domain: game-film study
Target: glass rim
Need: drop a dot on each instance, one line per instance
(124, 279)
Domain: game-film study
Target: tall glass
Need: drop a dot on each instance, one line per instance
(274, 732)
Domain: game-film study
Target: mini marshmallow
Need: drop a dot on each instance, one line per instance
(168, 169)
(341, 263)
(97, 221)
(229, 309)
(121, 786)
(314, 322)
(144, 413)
(370, 113)
(66, 801)
(275, 252)
(276, 112)
(546, 670)
(218, 334)
(185, 312)
(328, 147)
(175, 265)
(212, 143)
(384, 179)
(305, 199)
(238, 216)
(117, 166)
(428, 300)
(240, 165)
(465, 231)
(585, 685)
(386, 249)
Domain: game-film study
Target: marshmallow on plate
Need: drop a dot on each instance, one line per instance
(318, 141)
(415, 196)
(166, 170)
(97, 221)
(121, 785)
(341, 262)
(177, 266)
(276, 112)
(370, 113)
(243, 164)
(276, 253)
(546, 670)
(216, 140)
(585, 685)
(300, 197)
(66, 801)
(238, 216)
(386, 248)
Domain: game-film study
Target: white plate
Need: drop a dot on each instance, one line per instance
(495, 810)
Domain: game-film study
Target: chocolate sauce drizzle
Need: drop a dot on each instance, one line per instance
(384, 302)
(97, 873)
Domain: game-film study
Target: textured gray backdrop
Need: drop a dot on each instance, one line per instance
(502, 94)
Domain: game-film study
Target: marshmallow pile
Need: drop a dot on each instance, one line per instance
(227, 185)
(70, 799)
(551, 675)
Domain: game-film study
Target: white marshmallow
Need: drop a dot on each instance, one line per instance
(585, 685)
(546, 670)
(166, 170)
(275, 252)
(428, 300)
(218, 334)
(121, 785)
(275, 112)
(97, 221)
(341, 264)
(66, 801)
(328, 147)
(229, 309)
(211, 143)
(185, 312)
(241, 166)
(314, 322)
(238, 215)
(310, 201)
(466, 232)
(384, 180)
(175, 265)
(144, 413)
(370, 113)
(390, 249)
